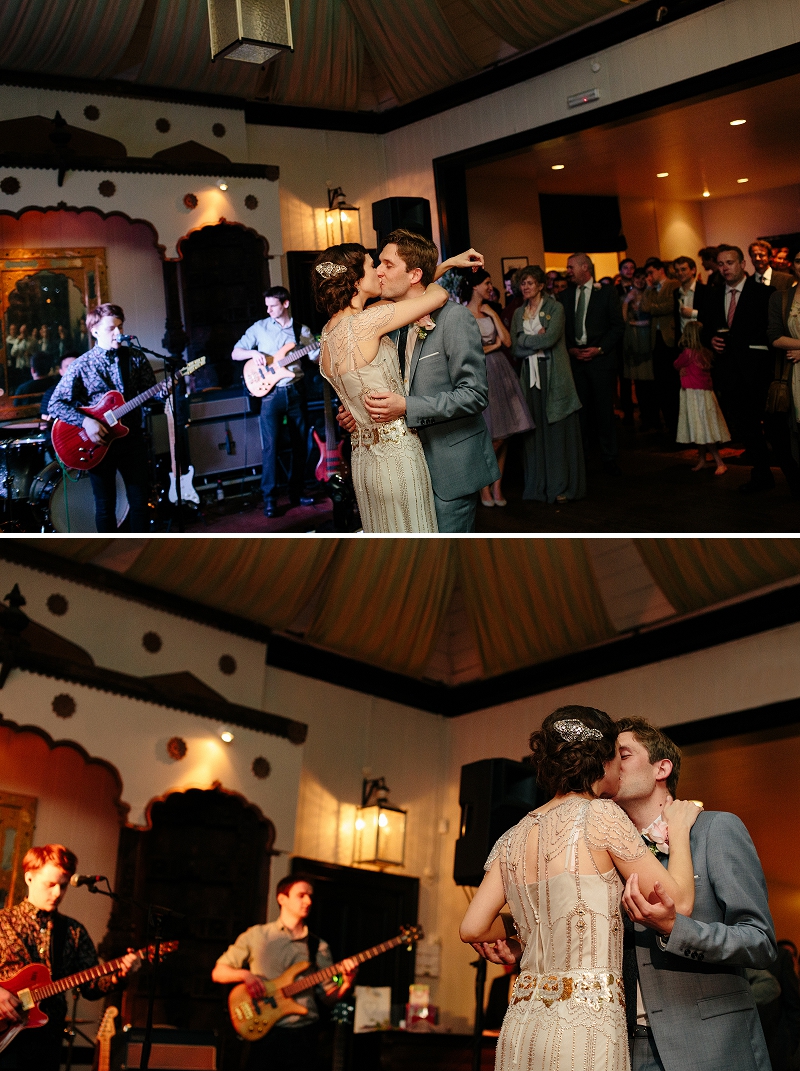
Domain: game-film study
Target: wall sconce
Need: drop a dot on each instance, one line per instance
(343, 220)
(380, 828)
(249, 30)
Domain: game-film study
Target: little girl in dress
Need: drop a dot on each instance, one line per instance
(700, 420)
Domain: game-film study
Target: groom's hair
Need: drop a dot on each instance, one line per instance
(416, 252)
(657, 745)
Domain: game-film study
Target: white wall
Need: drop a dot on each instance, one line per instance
(738, 220)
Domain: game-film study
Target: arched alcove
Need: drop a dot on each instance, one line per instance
(206, 855)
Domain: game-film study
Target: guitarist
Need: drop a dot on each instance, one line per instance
(109, 366)
(265, 952)
(35, 932)
(277, 335)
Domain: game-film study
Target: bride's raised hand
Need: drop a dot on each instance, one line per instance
(681, 815)
(471, 259)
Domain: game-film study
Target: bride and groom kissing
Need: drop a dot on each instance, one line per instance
(410, 372)
(673, 994)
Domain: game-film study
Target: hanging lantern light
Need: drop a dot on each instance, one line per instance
(343, 220)
(249, 30)
(380, 828)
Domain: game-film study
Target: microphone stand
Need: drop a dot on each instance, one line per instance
(172, 378)
(156, 914)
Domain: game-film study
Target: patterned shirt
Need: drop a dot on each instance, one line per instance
(92, 375)
(26, 936)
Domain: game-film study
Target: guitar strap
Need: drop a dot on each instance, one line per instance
(58, 943)
(313, 947)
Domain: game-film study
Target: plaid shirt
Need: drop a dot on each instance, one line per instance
(26, 937)
(93, 375)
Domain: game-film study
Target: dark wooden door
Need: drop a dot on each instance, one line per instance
(354, 909)
(206, 856)
(224, 273)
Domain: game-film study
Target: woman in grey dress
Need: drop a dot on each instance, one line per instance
(553, 453)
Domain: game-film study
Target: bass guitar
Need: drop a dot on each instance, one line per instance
(331, 459)
(33, 984)
(253, 1019)
(73, 446)
(260, 379)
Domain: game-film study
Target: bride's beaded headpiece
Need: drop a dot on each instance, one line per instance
(329, 270)
(570, 729)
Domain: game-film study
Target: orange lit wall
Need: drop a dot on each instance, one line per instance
(757, 777)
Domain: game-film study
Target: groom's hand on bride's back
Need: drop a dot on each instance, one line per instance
(658, 913)
(347, 422)
(503, 952)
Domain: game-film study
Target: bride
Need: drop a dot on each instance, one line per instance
(559, 872)
(390, 474)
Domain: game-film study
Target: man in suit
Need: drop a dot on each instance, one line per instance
(689, 1004)
(760, 255)
(689, 295)
(735, 326)
(658, 301)
(444, 371)
(593, 329)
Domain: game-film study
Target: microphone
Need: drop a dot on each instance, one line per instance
(126, 338)
(86, 879)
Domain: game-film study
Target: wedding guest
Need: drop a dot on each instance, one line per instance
(553, 453)
(626, 269)
(637, 352)
(42, 379)
(760, 255)
(507, 413)
(783, 333)
(658, 302)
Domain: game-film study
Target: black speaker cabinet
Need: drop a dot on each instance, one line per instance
(495, 794)
(412, 213)
(221, 444)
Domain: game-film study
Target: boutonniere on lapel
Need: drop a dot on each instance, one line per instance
(425, 325)
(544, 318)
(657, 836)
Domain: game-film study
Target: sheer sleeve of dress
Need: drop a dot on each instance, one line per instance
(372, 321)
(609, 829)
(500, 848)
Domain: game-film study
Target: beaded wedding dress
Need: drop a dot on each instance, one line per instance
(390, 474)
(567, 1009)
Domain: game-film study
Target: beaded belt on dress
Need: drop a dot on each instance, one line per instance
(381, 433)
(593, 987)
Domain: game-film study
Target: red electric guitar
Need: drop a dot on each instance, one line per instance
(73, 446)
(331, 459)
(33, 984)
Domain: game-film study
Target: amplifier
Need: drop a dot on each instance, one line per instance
(214, 403)
(224, 444)
(172, 1050)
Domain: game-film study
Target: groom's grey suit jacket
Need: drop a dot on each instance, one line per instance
(698, 1002)
(446, 397)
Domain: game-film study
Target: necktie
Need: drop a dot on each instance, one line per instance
(732, 306)
(401, 350)
(580, 314)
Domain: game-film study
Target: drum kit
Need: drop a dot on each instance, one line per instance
(37, 493)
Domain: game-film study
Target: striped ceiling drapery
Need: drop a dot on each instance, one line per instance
(530, 600)
(525, 25)
(695, 573)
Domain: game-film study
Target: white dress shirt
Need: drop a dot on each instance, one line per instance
(766, 278)
(738, 289)
(686, 297)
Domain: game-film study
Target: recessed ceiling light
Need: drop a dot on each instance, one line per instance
(223, 185)
(706, 193)
(557, 167)
(738, 122)
(743, 180)
(663, 174)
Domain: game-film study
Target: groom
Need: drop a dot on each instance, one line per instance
(444, 370)
(689, 1005)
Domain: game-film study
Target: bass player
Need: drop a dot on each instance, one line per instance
(277, 335)
(265, 952)
(109, 366)
(35, 932)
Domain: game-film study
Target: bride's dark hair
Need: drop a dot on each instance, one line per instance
(572, 765)
(332, 295)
